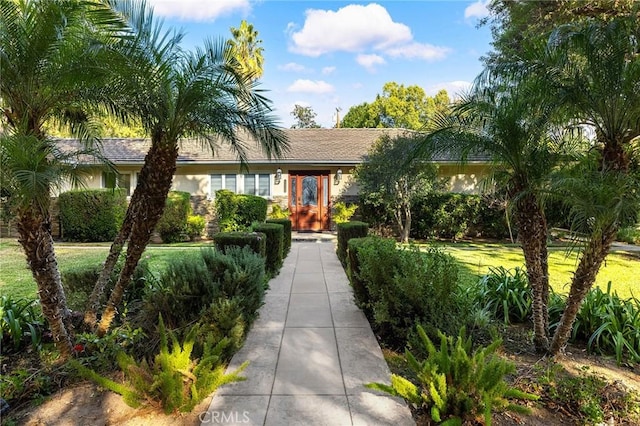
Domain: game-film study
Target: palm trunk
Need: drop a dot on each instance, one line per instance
(533, 237)
(583, 279)
(90, 316)
(35, 237)
(154, 183)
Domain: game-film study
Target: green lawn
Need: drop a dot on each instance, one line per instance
(620, 268)
(16, 279)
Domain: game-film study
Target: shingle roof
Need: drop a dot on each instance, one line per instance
(309, 146)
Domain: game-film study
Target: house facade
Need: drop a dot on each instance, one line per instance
(315, 171)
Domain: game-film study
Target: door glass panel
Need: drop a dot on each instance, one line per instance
(309, 191)
(325, 190)
(294, 191)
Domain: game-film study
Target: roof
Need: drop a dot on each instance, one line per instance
(306, 146)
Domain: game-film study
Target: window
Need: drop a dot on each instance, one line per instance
(117, 180)
(253, 184)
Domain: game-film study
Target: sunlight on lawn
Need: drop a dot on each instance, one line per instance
(620, 268)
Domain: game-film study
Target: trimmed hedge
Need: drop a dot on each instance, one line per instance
(404, 286)
(92, 215)
(286, 223)
(237, 212)
(360, 292)
(172, 225)
(346, 231)
(275, 245)
(255, 240)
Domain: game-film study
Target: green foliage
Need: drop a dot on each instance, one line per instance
(274, 245)
(92, 215)
(238, 272)
(353, 271)
(286, 223)
(610, 324)
(257, 241)
(390, 183)
(246, 49)
(347, 231)
(172, 226)
(20, 323)
(629, 235)
(224, 319)
(305, 117)
(195, 226)
(455, 382)
(174, 378)
(408, 286)
(342, 213)
(506, 294)
(236, 212)
(25, 384)
(277, 212)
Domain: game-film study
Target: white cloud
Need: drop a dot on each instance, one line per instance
(352, 28)
(454, 88)
(309, 86)
(357, 85)
(370, 61)
(419, 50)
(198, 10)
(328, 70)
(292, 66)
(477, 10)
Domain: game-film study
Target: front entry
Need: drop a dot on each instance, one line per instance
(309, 200)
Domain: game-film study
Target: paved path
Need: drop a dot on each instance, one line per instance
(310, 352)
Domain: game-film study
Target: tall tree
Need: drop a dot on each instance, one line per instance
(389, 180)
(508, 120)
(174, 93)
(397, 106)
(305, 117)
(245, 47)
(595, 66)
(50, 65)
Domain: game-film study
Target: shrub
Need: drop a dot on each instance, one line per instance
(92, 215)
(408, 286)
(346, 231)
(455, 383)
(257, 241)
(172, 225)
(174, 379)
(629, 235)
(610, 324)
(195, 227)
(236, 212)
(277, 212)
(342, 213)
(20, 323)
(286, 223)
(505, 294)
(361, 294)
(274, 245)
(238, 273)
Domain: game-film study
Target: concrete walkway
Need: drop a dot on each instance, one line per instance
(310, 352)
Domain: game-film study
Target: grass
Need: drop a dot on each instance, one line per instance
(620, 268)
(16, 279)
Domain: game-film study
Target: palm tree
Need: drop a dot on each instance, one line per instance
(245, 48)
(49, 62)
(595, 67)
(177, 94)
(506, 120)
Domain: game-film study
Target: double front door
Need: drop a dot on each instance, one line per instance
(309, 200)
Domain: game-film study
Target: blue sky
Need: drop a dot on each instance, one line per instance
(337, 54)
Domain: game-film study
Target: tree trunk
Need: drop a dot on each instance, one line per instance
(90, 316)
(154, 182)
(35, 237)
(583, 279)
(533, 237)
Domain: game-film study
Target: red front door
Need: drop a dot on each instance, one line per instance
(309, 201)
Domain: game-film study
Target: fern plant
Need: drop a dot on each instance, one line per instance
(455, 382)
(175, 380)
